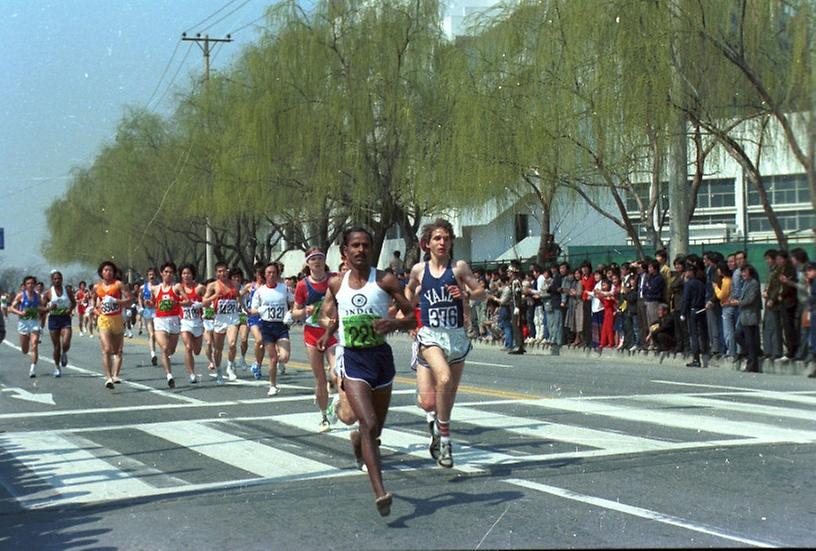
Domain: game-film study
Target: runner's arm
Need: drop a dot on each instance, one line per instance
(413, 284)
(328, 312)
(465, 275)
(14, 303)
(179, 289)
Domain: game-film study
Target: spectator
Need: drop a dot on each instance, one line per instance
(643, 327)
(800, 260)
(575, 318)
(610, 305)
(787, 304)
(810, 275)
(653, 291)
(588, 284)
(722, 292)
(662, 332)
(506, 312)
(557, 301)
(538, 305)
(750, 307)
(713, 310)
(597, 309)
(694, 313)
(678, 279)
(397, 265)
(772, 329)
(518, 312)
(665, 272)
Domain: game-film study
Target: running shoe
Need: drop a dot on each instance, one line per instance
(117, 380)
(193, 378)
(273, 391)
(31, 371)
(154, 360)
(64, 359)
(445, 455)
(219, 377)
(108, 383)
(171, 382)
(231, 373)
(57, 372)
(324, 426)
(434, 446)
(256, 371)
(281, 368)
(331, 413)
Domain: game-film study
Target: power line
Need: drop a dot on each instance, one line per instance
(173, 80)
(241, 28)
(241, 5)
(164, 73)
(213, 14)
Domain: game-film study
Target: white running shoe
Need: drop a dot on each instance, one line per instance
(231, 373)
(31, 371)
(331, 412)
(57, 372)
(64, 359)
(324, 426)
(193, 378)
(171, 382)
(273, 391)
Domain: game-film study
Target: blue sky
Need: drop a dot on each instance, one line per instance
(69, 69)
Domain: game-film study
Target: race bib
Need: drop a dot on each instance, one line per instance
(358, 331)
(275, 313)
(109, 306)
(31, 314)
(60, 311)
(313, 319)
(193, 312)
(227, 306)
(209, 313)
(446, 317)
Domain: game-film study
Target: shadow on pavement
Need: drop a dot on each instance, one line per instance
(426, 507)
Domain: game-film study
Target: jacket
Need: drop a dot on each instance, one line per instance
(750, 303)
(654, 288)
(693, 296)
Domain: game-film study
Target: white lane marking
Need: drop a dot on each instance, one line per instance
(203, 404)
(150, 389)
(743, 407)
(800, 396)
(638, 512)
(468, 362)
(468, 459)
(72, 473)
(22, 394)
(244, 382)
(541, 429)
(259, 459)
(715, 425)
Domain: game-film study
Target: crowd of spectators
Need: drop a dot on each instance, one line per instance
(698, 307)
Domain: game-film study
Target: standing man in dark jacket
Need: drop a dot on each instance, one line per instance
(694, 313)
(713, 308)
(750, 308)
(555, 314)
(654, 291)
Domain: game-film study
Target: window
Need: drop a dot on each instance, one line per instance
(782, 189)
(716, 193)
(642, 190)
(522, 226)
(790, 221)
(709, 219)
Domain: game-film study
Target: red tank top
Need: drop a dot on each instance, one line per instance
(168, 303)
(227, 303)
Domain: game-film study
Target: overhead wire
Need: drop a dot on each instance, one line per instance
(241, 28)
(241, 5)
(173, 80)
(164, 73)
(213, 14)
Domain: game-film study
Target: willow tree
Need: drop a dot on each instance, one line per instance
(509, 113)
(362, 72)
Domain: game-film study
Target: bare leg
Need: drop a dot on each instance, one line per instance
(370, 407)
(447, 380)
(232, 342)
(117, 342)
(321, 390)
(57, 350)
(272, 355)
(107, 349)
(259, 346)
(218, 348)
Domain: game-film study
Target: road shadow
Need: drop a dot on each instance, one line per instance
(424, 507)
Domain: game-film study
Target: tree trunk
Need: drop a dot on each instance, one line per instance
(679, 208)
(547, 240)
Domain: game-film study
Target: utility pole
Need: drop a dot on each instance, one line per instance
(205, 42)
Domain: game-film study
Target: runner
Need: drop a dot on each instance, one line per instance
(147, 309)
(309, 294)
(169, 297)
(111, 297)
(356, 304)
(224, 298)
(192, 324)
(61, 302)
(4, 304)
(271, 303)
(443, 341)
(28, 306)
(208, 321)
(81, 298)
(254, 322)
(237, 276)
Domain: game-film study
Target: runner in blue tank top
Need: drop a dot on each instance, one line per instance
(28, 306)
(147, 310)
(254, 322)
(357, 305)
(441, 286)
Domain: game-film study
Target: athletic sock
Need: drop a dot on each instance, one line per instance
(443, 430)
(430, 416)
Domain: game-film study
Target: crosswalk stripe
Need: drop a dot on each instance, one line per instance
(72, 473)
(468, 459)
(540, 429)
(716, 425)
(253, 457)
(744, 407)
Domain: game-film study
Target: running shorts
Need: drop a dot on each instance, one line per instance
(26, 327)
(81, 311)
(58, 323)
(312, 334)
(148, 313)
(209, 325)
(274, 331)
(374, 366)
(223, 321)
(252, 321)
(112, 324)
(454, 343)
(194, 327)
(168, 324)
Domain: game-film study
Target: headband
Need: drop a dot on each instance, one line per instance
(315, 254)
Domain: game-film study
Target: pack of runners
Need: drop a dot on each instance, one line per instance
(346, 317)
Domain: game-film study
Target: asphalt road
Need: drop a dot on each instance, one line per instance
(563, 452)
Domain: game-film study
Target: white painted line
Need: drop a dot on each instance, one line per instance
(283, 386)
(467, 458)
(743, 407)
(259, 459)
(468, 362)
(638, 512)
(73, 474)
(150, 389)
(539, 430)
(707, 423)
